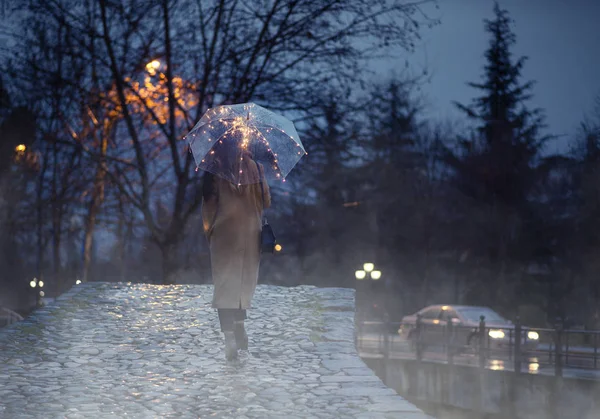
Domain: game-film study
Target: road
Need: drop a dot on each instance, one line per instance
(538, 362)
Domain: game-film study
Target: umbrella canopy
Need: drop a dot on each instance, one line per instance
(227, 138)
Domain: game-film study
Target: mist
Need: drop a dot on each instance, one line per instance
(475, 206)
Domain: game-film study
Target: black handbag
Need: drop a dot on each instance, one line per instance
(267, 236)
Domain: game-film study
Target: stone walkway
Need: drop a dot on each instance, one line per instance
(146, 351)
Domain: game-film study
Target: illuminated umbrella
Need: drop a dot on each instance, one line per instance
(227, 137)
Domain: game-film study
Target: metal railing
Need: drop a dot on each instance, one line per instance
(511, 348)
(8, 317)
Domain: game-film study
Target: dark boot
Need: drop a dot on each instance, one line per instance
(231, 350)
(241, 338)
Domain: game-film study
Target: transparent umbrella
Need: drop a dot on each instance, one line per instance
(228, 138)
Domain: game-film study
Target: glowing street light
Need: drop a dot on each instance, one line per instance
(368, 268)
(78, 282)
(36, 284)
(21, 148)
(152, 66)
(367, 292)
(278, 248)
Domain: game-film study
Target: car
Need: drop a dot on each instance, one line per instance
(500, 332)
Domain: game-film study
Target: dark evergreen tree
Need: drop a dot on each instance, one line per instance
(393, 131)
(393, 123)
(584, 239)
(497, 165)
(329, 183)
(403, 179)
(496, 168)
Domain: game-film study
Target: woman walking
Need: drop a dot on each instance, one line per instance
(228, 143)
(232, 220)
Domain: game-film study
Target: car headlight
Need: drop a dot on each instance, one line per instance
(531, 335)
(496, 334)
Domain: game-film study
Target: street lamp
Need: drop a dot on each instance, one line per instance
(152, 66)
(368, 268)
(368, 273)
(37, 286)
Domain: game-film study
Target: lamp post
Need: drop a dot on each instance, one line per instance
(365, 276)
(37, 285)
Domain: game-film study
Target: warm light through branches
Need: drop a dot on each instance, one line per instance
(150, 99)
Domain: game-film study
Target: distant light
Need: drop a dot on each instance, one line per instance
(152, 66)
(368, 267)
(41, 284)
(42, 293)
(278, 248)
(496, 334)
(497, 365)
(531, 335)
(534, 366)
(376, 275)
(360, 275)
(20, 148)
(444, 307)
(32, 284)
(78, 282)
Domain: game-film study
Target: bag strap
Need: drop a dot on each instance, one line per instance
(262, 189)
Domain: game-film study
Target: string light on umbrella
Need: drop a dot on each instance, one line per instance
(245, 127)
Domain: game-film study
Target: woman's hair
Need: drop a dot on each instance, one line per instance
(208, 186)
(233, 163)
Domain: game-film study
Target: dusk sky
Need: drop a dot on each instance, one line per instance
(560, 37)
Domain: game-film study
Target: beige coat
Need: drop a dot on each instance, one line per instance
(232, 221)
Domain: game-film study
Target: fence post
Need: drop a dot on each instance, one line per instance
(386, 345)
(595, 349)
(517, 346)
(418, 329)
(450, 341)
(558, 349)
(482, 336)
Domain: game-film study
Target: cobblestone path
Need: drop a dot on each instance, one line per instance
(146, 351)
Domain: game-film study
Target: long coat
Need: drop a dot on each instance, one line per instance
(232, 219)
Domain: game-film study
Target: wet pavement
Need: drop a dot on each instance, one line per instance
(144, 351)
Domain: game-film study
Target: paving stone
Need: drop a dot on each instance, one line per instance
(90, 351)
(107, 350)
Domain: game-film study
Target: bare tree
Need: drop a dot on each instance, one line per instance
(37, 75)
(162, 63)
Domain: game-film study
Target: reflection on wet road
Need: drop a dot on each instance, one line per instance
(371, 345)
